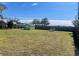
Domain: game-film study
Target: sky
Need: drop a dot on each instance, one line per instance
(37, 10)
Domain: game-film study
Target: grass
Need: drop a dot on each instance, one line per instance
(35, 42)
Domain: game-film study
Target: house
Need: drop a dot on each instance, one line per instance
(25, 26)
(3, 24)
(29, 26)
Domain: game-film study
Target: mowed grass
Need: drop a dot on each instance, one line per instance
(35, 43)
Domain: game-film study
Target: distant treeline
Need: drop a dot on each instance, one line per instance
(57, 28)
(17, 24)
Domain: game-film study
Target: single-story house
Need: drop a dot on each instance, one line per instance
(25, 26)
(3, 24)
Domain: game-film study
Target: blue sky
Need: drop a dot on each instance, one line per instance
(51, 10)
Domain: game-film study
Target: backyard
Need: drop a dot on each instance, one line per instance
(35, 42)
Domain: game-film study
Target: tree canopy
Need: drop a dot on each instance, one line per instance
(35, 21)
(44, 21)
(76, 22)
(2, 7)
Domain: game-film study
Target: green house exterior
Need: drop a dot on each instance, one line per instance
(28, 27)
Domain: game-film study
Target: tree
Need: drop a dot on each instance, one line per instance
(1, 17)
(44, 21)
(35, 21)
(2, 8)
(12, 23)
(76, 22)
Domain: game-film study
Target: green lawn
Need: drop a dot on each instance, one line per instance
(35, 42)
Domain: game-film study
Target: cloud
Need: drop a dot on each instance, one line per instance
(34, 4)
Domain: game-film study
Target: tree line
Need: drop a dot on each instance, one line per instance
(15, 23)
